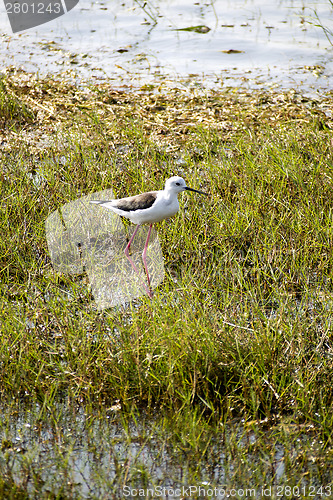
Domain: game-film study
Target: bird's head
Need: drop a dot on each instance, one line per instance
(177, 185)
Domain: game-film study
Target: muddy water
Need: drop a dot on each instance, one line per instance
(68, 448)
(254, 43)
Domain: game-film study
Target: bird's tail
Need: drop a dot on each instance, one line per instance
(99, 202)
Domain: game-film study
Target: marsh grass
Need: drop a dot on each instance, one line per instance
(73, 446)
(241, 326)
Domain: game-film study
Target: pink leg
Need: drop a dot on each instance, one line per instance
(126, 251)
(144, 253)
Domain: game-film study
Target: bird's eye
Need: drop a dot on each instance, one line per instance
(177, 183)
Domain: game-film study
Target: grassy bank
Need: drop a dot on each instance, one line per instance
(241, 325)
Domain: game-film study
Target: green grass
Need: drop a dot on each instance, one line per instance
(240, 328)
(13, 110)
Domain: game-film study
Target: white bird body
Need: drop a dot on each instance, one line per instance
(150, 207)
(163, 206)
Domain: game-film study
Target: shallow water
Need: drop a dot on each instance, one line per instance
(108, 456)
(254, 43)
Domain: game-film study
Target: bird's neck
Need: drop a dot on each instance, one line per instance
(169, 195)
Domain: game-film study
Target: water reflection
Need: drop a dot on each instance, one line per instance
(66, 448)
(255, 42)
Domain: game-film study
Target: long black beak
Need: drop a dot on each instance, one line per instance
(195, 191)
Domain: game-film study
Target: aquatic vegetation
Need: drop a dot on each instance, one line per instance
(240, 328)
